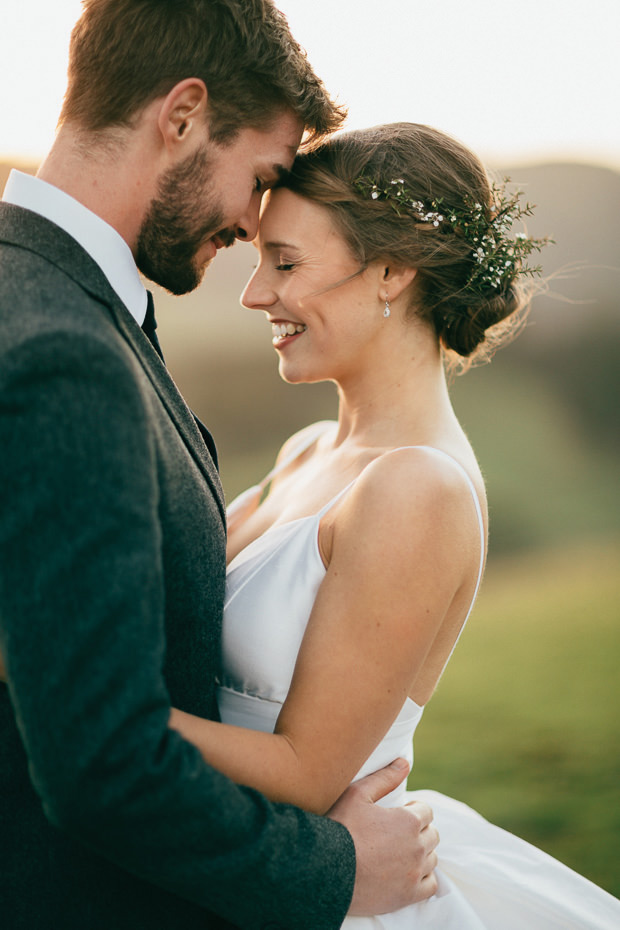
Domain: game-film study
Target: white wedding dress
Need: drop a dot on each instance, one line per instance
(488, 878)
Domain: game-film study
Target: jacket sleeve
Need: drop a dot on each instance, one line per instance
(82, 633)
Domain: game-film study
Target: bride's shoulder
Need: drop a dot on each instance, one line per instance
(408, 507)
(415, 481)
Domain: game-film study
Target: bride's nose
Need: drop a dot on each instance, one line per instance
(257, 294)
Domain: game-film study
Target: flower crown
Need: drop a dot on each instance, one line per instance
(498, 257)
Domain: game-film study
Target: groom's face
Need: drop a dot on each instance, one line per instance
(209, 200)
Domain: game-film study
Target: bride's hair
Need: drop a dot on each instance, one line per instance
(360, 175)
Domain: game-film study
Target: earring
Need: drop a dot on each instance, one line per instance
(387, 310)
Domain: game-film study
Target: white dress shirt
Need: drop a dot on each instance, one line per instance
(102, 242)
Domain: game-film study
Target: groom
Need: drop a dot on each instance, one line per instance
(178, 116)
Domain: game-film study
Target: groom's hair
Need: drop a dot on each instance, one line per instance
(126, 53)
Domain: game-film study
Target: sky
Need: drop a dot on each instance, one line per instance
(517, 80)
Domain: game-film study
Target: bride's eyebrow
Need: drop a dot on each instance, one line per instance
(276, 175)
(276, 245)
(281, 172)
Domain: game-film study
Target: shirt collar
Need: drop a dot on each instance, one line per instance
(102, 242)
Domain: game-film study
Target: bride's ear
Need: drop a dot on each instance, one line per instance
(395, 279)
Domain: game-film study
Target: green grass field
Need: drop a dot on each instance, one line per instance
(524, 724)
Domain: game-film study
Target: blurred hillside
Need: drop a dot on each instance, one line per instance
(543, 416)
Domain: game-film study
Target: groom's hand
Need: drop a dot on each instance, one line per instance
(394, 847)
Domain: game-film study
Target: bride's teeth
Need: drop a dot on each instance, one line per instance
(279, 330)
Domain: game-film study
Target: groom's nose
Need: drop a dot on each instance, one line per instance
(247, 225)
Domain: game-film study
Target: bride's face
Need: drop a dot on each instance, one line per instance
(325, 310)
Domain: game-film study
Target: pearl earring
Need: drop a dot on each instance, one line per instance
(387, 310)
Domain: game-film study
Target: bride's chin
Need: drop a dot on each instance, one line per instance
(293, 375)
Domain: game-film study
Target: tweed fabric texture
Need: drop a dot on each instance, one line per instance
(112, 542)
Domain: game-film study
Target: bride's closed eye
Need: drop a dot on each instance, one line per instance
(285, 266)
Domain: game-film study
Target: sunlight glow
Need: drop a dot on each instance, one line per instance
(516, 82)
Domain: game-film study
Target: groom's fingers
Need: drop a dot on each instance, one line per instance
(428, 836)
(427, 833)
(394, 846)
(373, 787)
(380, 783)
(422, 811)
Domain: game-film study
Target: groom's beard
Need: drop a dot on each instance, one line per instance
(171, 235)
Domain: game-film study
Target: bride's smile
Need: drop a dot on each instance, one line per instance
(283, 331)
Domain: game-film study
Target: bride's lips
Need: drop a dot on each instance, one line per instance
(286, 331)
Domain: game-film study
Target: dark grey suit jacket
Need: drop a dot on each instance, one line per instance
(112, 571)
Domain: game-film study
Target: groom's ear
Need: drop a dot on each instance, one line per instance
(395, 279)
(183, 114)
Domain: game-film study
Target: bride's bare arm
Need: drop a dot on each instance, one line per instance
(401, 549)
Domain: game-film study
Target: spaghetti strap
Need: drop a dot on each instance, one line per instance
(330, 503)
(476, 500)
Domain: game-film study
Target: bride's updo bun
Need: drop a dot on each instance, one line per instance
(412, 196)
(467, 324)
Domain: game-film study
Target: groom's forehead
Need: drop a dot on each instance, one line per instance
(275, 145)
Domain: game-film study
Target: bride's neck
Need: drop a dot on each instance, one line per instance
(403, 402)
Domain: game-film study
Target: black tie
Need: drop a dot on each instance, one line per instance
(148, 328)
(150, 325)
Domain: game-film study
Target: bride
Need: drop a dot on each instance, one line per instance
(355, 563)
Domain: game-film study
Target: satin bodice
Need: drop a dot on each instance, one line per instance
(271, 588)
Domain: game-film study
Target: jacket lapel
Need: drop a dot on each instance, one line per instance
(33, 232)
(169, 395)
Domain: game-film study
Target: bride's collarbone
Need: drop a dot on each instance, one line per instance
(303, 490)
(290, 498)
(297, 502)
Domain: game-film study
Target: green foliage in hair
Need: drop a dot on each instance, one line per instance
(497, 257)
